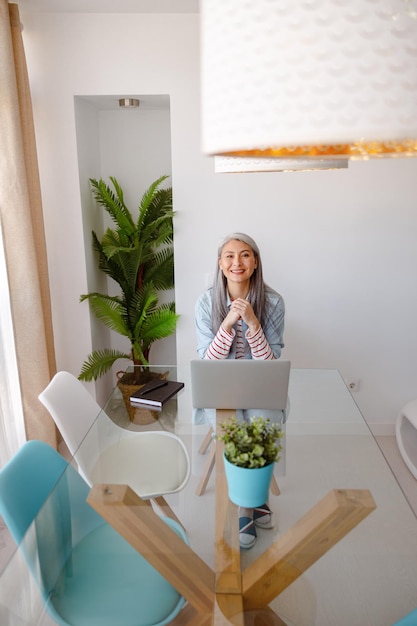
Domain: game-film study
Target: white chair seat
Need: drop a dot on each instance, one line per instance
(153, 464)
(406, 435)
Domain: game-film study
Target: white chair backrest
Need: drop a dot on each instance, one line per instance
(71, 406)
(74, 411)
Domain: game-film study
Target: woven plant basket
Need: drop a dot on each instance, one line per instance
(127, 388)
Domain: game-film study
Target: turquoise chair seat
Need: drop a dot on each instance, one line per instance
(127, 590)
(87, 573)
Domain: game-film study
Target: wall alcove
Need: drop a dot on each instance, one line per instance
(134, 145)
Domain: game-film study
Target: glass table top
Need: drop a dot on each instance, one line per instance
(368, 578)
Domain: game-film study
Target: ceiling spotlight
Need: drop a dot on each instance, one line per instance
(129, 103)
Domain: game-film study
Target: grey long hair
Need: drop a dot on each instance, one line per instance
(256, 290)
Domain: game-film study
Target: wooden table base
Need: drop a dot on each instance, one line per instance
(227, 595)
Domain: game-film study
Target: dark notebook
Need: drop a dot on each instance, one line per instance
(156, 392)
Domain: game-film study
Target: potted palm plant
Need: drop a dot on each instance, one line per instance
(250, 451)
(138, 255)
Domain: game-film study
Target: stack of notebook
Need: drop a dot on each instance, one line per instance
(156, 392)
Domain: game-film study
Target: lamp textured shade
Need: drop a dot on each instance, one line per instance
(309, 78)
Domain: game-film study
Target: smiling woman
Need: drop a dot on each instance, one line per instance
(241, 318)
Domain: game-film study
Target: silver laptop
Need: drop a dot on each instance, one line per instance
(240, 384)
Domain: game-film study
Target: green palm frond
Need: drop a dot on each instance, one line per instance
(109, 310)
(107, 265)
(147, 200)
(161, 271)
(122, 267)
(113, 203)
(159, 324)
(155, 223)
(161, 204)
(115, 241)
(143, 303)
(99, 362)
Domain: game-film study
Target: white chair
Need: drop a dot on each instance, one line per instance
(152, 463)
(406, 435)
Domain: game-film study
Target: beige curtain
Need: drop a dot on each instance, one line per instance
(23, 230)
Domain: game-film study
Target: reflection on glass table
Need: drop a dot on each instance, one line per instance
(134, 417)
(368, 578)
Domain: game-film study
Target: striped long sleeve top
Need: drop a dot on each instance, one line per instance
(265, 344)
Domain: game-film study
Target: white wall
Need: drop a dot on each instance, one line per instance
(340, 246)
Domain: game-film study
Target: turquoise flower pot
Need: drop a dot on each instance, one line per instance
(248, 487)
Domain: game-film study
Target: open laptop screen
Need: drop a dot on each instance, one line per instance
(240, 384)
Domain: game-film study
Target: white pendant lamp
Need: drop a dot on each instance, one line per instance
(309, 79)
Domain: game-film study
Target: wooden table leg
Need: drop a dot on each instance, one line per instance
(226, 538)
(229, 606)
(306, 542)
(228, 610)
(227, 596)
(138, 523)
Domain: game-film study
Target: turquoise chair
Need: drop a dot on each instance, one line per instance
(87, 573)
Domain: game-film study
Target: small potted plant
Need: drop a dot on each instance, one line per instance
(250, 451)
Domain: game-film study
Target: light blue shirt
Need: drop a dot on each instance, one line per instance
(273, 327)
